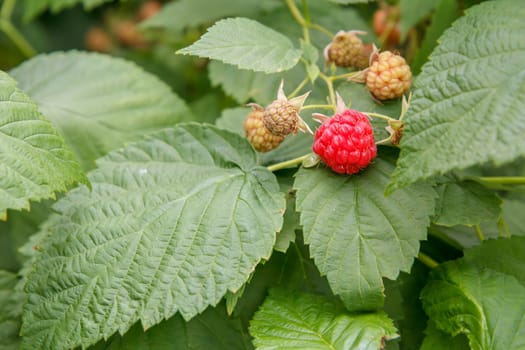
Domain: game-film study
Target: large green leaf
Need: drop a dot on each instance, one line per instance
(34, 159)
(171, 224)
(178, 15)
(438, 340)
(247, 44)
(98, 103)
(307, 321)
(465, 203)
(356, 234)
(210, 330)
(503, 255)
(10, 311)
(468, 101)
(33, 8)
(485, 305)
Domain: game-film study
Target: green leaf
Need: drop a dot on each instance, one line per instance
(307, 321)
(34, 8)
(438, 340)
(513, 210)
(465, 203)
(503, 255)
(10, 311)
(356, 234)
(98, 103)
(467, 106)
(179, 15)
(290, 218)
(244, 85)
(210, 330)
(247, 44)
(411, 15)
(485, 305)
(35, 162)
(171, 224)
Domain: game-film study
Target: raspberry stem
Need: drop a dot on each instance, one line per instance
(498, 182)
(12, 32)
(345, 76)
(298, 88)
(288, 163)
(381, 116)
(318, 107)
(329, 83)
(479, 232)
(427, 260)
(306, 23)
(503, 229)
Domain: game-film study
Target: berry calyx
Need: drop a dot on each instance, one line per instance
(282, 118)
(257, 134)
(345, 50)
(388, 76)
(345, 142)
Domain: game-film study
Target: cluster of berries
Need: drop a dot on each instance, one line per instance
(344, 142)
(121, 31)
(387, 75)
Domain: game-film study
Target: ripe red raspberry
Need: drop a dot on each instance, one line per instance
(345, 142)
(345, 49)
(388, 76)
(258, 135)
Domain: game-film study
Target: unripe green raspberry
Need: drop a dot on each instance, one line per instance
(281, 118)
(345, 50)
(388, 76)
(258, 135)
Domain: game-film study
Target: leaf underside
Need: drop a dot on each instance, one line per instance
(171, 224)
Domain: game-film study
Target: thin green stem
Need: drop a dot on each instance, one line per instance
(306, 32)
(295, 12)
(321, 29)
(7, 9)
(17, 38)
(500, 180)
(427, 260)
(298, 88)
(480, 234)
(330, 85)
(377, 115)
(433, 231)
(318, 107)
(503, 229)
(288, 164)
(345, 76)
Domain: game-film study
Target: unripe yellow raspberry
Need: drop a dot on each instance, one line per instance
(388, 76)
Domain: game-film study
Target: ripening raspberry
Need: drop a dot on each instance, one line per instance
(257, 134)
(345, 142)
(388, 76)
(345, 50)
(281, 116)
